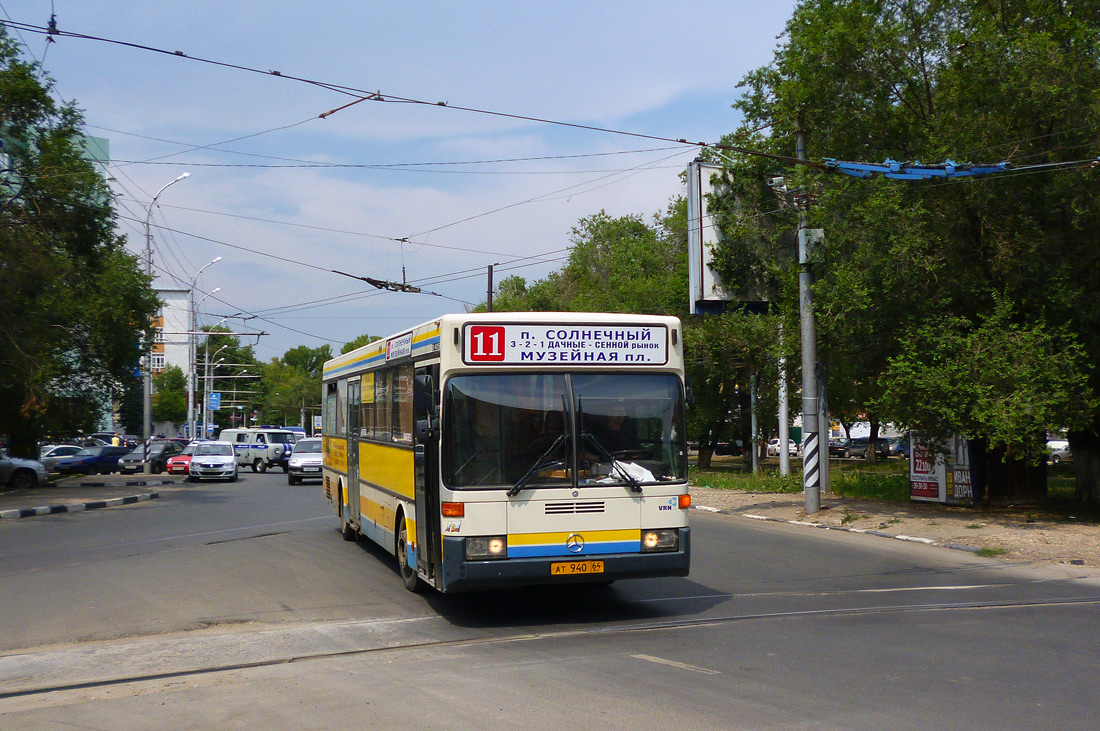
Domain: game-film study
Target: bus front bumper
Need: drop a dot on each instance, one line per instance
(460, 574)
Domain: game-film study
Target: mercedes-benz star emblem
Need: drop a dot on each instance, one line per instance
(574, 543)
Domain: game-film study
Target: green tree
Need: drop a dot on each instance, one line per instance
(928, 80)
(170, 395)
(75, 304)
(310, 360)
(364, 339)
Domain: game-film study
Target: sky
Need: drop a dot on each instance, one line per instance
(426, 194)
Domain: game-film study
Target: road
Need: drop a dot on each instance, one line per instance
(236, 605)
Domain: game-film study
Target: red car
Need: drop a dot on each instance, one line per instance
(179, 464)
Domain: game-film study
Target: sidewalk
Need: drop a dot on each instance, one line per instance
(80, 493)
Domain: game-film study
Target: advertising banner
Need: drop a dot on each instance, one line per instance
(942, 473)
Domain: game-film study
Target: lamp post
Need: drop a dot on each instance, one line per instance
(207, 367)
(147, 401)
(191, 328)
(192, 375)
(242, 374)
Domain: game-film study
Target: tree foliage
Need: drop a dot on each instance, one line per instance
(359, 342)
(926, 289)
(75, 304)
(170, 395)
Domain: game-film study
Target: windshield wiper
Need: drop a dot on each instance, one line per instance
(538, 465)
(635, 486)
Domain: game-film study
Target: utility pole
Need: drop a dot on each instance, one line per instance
(147, 380)
(784, 413)
(489, 294)
(811, 457)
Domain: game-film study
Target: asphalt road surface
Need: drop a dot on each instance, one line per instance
(238, 605)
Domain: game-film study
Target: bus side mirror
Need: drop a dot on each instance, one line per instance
(689, 395)
(423, 403)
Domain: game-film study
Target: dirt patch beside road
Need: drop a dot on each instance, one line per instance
(1021, 535)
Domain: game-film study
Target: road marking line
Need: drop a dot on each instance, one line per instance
(673, 663)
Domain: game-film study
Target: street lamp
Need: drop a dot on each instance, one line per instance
(208, 367)
(191, 328)
(147, 404)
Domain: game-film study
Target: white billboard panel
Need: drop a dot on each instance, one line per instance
(704, 285)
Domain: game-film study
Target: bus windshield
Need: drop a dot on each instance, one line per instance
(573, 429)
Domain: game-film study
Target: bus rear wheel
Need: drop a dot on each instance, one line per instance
(408, 573)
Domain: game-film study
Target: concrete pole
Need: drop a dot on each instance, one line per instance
(147, 395)
(811, 462)
(784, 413)
(191, 367)
(755, 428)
(823, 421)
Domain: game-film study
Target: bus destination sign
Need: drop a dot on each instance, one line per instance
(582, 345)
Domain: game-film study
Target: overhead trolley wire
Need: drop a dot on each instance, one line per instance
(362, 95)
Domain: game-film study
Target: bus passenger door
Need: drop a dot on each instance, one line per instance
(426, 414)
(354, 397)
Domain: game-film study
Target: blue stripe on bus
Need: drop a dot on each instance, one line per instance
(590, 549)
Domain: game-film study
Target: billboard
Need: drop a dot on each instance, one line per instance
(708, 292)
(942, 478)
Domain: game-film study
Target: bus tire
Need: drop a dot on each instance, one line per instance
(346, 528)
(401, 545)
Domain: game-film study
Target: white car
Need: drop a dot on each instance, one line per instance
(305, 462)
(1059, 451)
(49, 455)
(213, 461)
(773, 448)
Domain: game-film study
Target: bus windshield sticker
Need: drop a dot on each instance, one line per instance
(574, 345)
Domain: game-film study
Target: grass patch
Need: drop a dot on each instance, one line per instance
(728, 479)
(887, 481)
(975, 526)
(850, 517)
(991, 552)
(875, 485)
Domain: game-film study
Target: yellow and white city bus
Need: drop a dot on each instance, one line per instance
(502, 449)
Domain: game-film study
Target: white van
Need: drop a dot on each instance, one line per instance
(260, 448)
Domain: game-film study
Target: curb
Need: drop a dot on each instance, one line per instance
(130, 483)
(862, 531)
(76, 507)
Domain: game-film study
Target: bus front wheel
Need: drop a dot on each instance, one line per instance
(408, 573)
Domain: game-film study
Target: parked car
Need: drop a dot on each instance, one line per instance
(49, 454)
(92, 460)
(1059, 451)
(305, 462)
(213, 461)
(20, 474)
(159, 452)
(857, 447)
(178, 463)
(838, 447)
(773, 448)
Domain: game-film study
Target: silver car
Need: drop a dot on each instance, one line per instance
(305, 462)
(21, 474)
(213, 461)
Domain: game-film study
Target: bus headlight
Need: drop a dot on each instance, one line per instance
(483, 547)
(662, 539)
